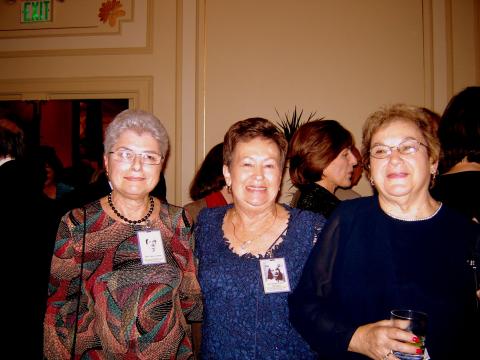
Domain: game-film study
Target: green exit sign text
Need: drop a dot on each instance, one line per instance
(36, 11)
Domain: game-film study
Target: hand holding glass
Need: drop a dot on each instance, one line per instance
(417, 325)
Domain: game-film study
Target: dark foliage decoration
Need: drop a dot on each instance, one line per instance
(289, 124)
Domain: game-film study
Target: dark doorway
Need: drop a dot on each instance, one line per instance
(74, 128)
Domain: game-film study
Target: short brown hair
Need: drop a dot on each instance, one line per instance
(389, 114)
(249, 129)
(313, 146)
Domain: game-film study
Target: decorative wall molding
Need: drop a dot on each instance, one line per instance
(92, 27)
(138, 89)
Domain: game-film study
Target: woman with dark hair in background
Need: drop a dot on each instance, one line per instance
(320, 161)
(208, 187)
(458, 185)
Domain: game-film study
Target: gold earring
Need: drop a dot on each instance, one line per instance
(432, 179)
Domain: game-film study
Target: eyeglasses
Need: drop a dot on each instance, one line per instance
(407, 147)
(129, 156)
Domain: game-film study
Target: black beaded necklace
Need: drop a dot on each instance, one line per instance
(133, 222)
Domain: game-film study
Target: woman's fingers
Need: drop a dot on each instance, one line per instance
(377, 340)
(372, 340)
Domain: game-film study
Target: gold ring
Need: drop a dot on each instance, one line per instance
(388, 354)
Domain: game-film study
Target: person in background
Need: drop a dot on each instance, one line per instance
(27, 242)
(53, 187)
(433, 116)
(208, 187)
(400, 249)
(321, 160)
(458, 185)
(107, 300)
(233, 242)
(346, 193)
(12, 149)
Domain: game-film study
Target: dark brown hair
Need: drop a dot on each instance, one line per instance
(249, 129)
(313, 146)
(209, 177)
(459, 129)
(11, 139)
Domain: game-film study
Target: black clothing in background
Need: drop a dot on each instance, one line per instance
(367, 263)
(27, 231)
(460, 191)
(316, 198)
(100, 188)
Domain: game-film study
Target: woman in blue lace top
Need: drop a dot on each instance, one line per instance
(246, 311)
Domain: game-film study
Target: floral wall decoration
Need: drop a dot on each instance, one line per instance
(110, 11)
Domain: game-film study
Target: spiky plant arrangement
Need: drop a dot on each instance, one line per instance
(289, 124)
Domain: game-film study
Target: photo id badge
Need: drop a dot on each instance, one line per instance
(151, 247)
(274, 275)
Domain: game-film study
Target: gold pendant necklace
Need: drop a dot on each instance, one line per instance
(245, 244)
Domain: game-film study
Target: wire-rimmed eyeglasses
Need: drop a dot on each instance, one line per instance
(129, 156)
(407, 147)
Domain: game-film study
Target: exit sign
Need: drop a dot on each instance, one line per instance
(36, 11)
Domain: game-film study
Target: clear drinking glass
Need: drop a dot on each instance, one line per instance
(417, 326)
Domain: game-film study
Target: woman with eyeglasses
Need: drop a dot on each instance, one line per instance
(399, 249)
(109, 296)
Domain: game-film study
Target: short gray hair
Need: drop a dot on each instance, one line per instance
(139, 121)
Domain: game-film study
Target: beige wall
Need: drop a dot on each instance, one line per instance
(204, 64)
(342, 59)
(465, 40)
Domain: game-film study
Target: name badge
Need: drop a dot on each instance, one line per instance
(274, 275)
(151, 247)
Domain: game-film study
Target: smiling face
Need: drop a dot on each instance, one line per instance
(255, 173)
(399, 176)
(133, 180)
(339, 171)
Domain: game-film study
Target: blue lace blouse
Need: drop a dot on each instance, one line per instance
(240, 320)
